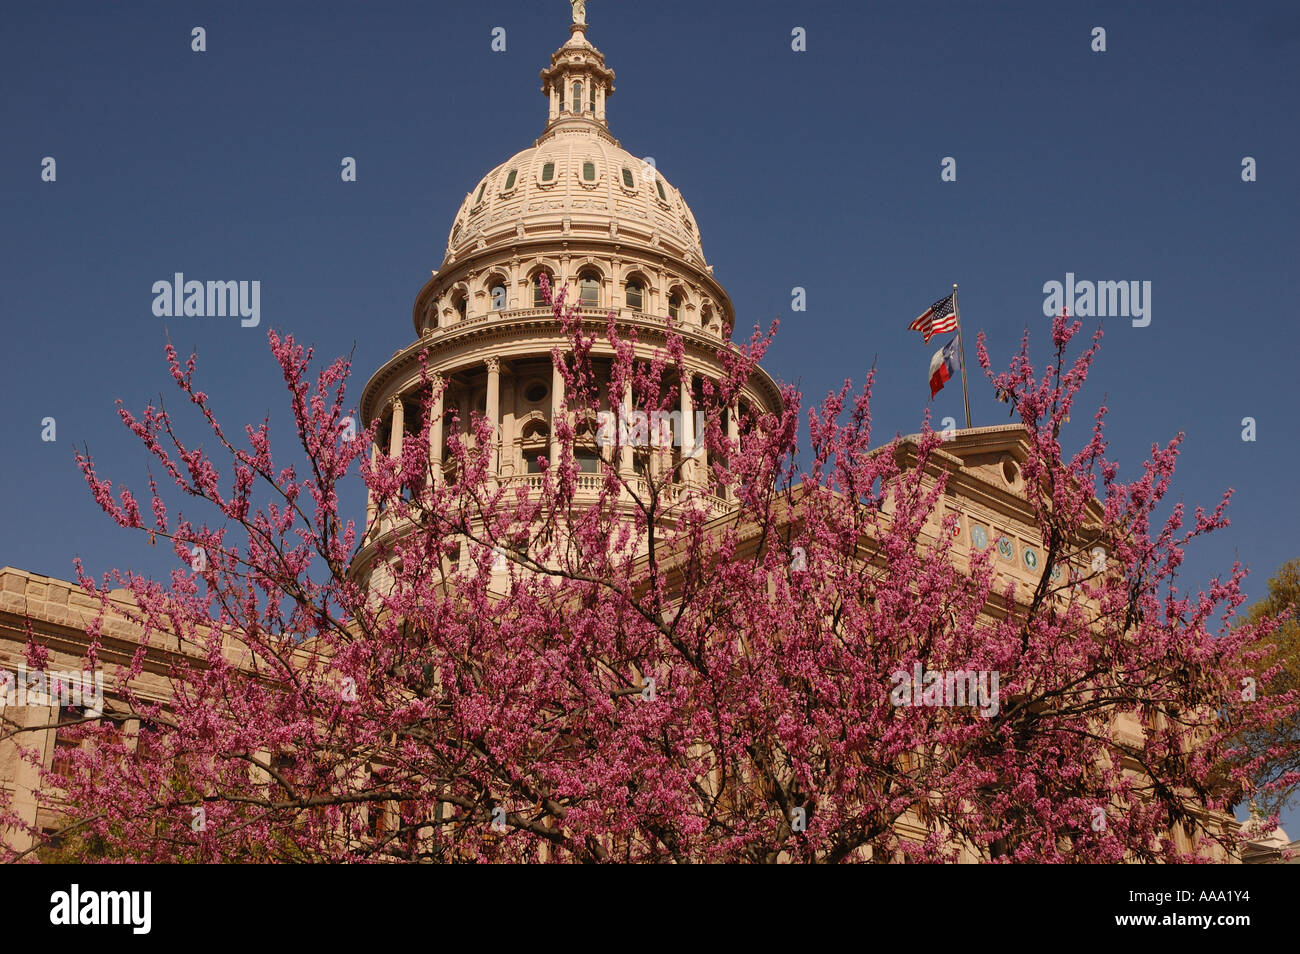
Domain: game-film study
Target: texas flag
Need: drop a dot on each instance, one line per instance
(943, 366)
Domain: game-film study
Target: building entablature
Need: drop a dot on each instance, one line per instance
(612, 272)
(532, 335)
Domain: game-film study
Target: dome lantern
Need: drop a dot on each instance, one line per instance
(577, 83)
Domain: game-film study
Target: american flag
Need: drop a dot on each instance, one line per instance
(938, 319)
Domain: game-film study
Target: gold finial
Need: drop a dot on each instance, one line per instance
(579, 11)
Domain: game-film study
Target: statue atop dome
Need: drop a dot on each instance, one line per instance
(579, 11)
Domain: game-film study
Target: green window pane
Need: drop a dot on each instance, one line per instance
(659, 183)
(480, 192)
(627, 178)
(548, 172)
(510, 180)
(589, 171)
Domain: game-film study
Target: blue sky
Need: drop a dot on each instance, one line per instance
(818, 169)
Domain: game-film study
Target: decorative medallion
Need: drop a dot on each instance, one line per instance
(1031, 558)
(1004, 548)
(979, 537)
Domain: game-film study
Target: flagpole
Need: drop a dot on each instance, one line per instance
(961, 343)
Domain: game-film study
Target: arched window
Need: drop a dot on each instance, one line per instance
(674, 305)
(659, 184)
(481, 189)
(497, 289)
(510, 180)
(577, 97)
(634, 294)
(534, 444)
(589, 289)
(460, 303)
(548, 172)
(588, 172)
(585, 452)
(628, 181)
(539, 299)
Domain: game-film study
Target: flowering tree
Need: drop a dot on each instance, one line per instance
(628, 672)
(1275, 746)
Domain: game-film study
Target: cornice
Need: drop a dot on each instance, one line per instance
(539, 329)
(59, 637)
(624, 245)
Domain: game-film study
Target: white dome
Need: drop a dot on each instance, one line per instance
(576, 180)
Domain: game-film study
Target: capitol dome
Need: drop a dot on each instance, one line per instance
(581, 208)
(577, 211)
(575, 181)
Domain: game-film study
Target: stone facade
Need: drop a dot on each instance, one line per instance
(58, 613)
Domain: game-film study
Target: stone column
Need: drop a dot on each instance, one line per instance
(398, 431)
(509, 443)
(435, 431)
(626, 452)
(399, 422)
(555, 103)
(372, 506)
(557, 401)
(600, 101)
(687, 403)
(494, 412)
(702, 461)
(27, 777)
(733, 432)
